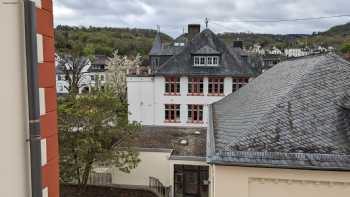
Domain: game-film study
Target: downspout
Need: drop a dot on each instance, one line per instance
(33, 97)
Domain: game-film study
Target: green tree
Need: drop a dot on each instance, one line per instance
(93, 129)
(345, 49)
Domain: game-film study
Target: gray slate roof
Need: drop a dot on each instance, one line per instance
(182, 63)
(206, 50)
(157, 46)
(160, 137)
(288, 117)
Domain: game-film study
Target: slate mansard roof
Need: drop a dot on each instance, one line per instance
(203, 43)
(295, 115)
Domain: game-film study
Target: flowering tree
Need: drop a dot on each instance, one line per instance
(93, 129)
(117, 72)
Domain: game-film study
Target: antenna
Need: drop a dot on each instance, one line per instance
(206, 22)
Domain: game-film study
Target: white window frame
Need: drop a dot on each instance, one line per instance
(214, 60)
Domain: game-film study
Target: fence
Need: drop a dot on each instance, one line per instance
(100, 179)
(158, 187)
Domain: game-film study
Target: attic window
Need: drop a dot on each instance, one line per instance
(206, 60)
(155, 61)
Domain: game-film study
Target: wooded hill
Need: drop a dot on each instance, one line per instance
(104, 40)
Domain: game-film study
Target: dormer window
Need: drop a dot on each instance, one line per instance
(206, 60)
(155, 61)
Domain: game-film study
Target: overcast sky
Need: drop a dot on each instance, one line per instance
(223, 15)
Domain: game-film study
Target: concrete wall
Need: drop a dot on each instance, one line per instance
(14, 150)
(146, 100)
(230, 181)
(154, 164)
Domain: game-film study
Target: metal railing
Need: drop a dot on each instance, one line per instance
(156, 186)
(100, 179)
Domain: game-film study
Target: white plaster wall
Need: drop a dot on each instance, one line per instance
(273, 182)
(154, 164)
(14, 150)
(146, 100)
(141, 100)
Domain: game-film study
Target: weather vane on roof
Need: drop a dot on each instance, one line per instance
(206, 22)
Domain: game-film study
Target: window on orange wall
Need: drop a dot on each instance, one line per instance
(195, 113)
(238, 83)
(215, 86)
(195, 85)
(172, 85)
(172, 113)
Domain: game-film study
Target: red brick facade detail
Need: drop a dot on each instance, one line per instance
(50, 97)
(47, 75)
(48, 124)
(49, 49)
(46, 5)
(50, 177)
(47, 80)
(44, 23)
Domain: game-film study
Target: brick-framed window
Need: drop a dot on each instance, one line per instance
(172, 113)
(172, 86)
(238, 83)
(195, 114)
(195, 86)
(215, 86)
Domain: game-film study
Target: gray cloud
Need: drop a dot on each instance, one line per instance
(224, 15)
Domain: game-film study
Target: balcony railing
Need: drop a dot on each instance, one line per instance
(156, 186)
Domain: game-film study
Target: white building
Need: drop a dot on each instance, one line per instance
(296, 52)
(275, 51)
(93, 73)
(185, 78)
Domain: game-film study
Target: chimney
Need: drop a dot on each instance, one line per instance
(193, 29)
(238, 44)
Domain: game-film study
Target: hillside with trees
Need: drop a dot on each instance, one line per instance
(105, 40)
(130, 42)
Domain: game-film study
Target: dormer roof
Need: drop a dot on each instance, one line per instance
(206, 50)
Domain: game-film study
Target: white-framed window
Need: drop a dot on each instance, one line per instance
(206, 60)
(196, 61)
(215, 61)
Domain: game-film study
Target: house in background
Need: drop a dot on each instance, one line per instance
(29, 143)
(195, 70)
(284, 134)
(171, 101)
(94, 74)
